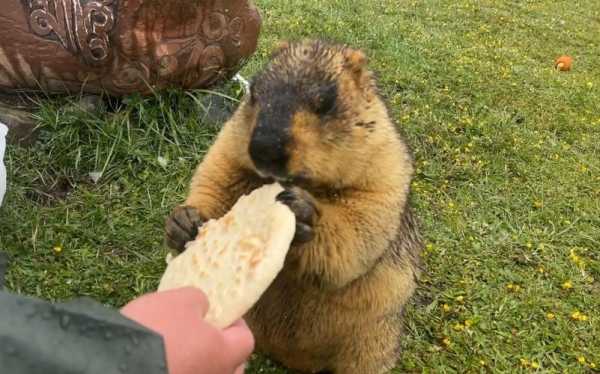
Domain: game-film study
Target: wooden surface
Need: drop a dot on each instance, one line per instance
(123, 46)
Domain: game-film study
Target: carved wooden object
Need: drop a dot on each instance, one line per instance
(123, 46)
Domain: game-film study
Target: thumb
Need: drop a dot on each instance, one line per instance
(175, 303)
(240, 369)
(240, 341)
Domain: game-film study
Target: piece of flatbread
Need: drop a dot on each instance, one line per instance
(235, 258)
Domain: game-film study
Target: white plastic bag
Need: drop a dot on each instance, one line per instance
(3, 132)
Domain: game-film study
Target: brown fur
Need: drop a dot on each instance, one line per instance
(338, 303)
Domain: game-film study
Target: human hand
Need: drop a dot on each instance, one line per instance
(192, 345)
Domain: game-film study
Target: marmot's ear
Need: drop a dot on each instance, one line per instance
(279, 47)
(355, 61)
(356, 64)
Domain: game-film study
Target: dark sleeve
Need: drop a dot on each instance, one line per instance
(82, 336)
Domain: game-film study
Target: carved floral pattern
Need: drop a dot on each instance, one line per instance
(200, 57)
(81, 28)
(153, 48)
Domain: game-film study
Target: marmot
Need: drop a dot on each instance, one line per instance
(314, 121)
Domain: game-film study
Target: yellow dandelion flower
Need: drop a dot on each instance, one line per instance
(567, 285)
(482, 363)
(57, 249)
(581, 360)
(575, 258)
(578, 316)
(458, 327)
(460, 299)
(529, 245)
(524, 362)
(592, 365)
(573, 254)
(446, 341)
(541, 270)
(535, 365)
(550, 316)
(513, 287)
(446, 308)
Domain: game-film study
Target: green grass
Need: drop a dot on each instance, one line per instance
(507, 187)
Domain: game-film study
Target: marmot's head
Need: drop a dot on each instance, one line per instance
(314, 115)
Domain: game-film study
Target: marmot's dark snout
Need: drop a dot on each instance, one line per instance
(267, 150)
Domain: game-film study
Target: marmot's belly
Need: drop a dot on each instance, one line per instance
(304, 360)
(284, 331)
(310, 329)
(305, 329)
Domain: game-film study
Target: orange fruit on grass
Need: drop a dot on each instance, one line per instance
(563, 63)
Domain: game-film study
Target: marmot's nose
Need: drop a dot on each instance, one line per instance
(268, 153)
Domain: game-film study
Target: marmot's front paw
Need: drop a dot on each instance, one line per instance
(182, 226)
(304, 206)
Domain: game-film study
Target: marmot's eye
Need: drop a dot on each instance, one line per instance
(325, 100)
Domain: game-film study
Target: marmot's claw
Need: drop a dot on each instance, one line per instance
(304, 233)
(182, 227)
(303, 205)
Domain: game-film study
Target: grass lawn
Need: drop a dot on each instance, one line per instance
(507, 185)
